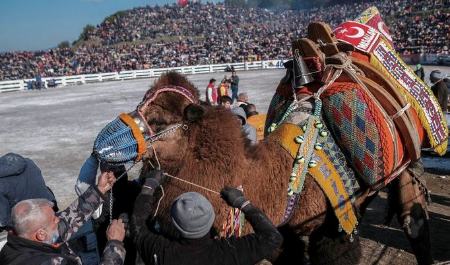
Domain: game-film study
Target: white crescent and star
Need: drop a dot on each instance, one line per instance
(357, 35)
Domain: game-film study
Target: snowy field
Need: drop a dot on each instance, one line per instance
(57, 127)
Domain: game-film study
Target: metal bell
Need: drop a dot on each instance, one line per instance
(302, 75)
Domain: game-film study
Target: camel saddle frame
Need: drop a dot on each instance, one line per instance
(348, 84)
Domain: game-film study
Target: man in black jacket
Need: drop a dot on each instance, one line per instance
(193, 216)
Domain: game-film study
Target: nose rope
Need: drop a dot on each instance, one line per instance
(193, 184)
(173, 177)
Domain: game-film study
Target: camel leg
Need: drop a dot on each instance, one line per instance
(412, 212)
(329, 246)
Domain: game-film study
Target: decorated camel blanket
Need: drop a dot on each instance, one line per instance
(369, 35)
(301, 132)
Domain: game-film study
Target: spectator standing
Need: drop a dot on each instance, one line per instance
(224, 87)
(193, 217)
(242, 100)
(256, 120)
(250, 131)
(234, 86)
(225, 101)
(439, 88)
(211, 92)
(420, 72)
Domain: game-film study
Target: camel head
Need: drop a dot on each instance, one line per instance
(157, 131)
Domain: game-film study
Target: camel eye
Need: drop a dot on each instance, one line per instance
(158, 124)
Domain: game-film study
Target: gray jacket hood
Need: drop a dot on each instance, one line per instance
(11, 165)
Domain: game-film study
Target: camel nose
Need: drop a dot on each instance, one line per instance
(120, 141)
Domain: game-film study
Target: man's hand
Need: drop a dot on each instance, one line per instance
(154, 179)
(106, 181)
(233, 197)
(116, 230)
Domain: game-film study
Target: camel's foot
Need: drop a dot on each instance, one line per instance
(325, 249)
(412, 211)
(417, 231)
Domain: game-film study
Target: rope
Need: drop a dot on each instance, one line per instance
(159, 201)
(193, 184)
(182, 180)
(401, 112)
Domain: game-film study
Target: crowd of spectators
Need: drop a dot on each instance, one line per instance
(170, 36)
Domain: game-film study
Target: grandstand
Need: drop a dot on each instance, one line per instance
(170, 36)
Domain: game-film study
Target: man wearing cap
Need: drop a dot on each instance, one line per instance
(193, 217)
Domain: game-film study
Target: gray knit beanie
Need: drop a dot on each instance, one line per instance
(192, 214)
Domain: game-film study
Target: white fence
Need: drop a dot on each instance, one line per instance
(15, 85)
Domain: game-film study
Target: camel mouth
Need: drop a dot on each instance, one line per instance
(122, 140)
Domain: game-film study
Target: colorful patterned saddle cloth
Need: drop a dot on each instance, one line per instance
(373, 43)
(315, 153)
(361, 128)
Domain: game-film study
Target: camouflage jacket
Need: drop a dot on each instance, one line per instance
(20, 250)
(72, 218)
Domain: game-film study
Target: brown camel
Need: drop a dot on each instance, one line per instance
(213, 152)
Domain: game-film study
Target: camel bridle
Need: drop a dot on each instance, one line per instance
(136, 134)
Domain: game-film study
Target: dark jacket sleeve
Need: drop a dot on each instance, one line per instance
(260, 245)
(74, 216)
(148, 244)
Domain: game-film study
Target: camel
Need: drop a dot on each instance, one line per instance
(202, 148)
(211, 150)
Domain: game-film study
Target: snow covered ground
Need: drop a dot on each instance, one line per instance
(57, 127)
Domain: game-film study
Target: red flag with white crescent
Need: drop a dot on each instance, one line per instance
(359, 35)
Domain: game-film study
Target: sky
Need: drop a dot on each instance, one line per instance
(42, 24)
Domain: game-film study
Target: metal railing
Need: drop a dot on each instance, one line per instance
(15, 85)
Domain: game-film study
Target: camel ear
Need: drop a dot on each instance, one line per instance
(193, 112)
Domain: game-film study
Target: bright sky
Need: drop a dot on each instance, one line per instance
(42, 24)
